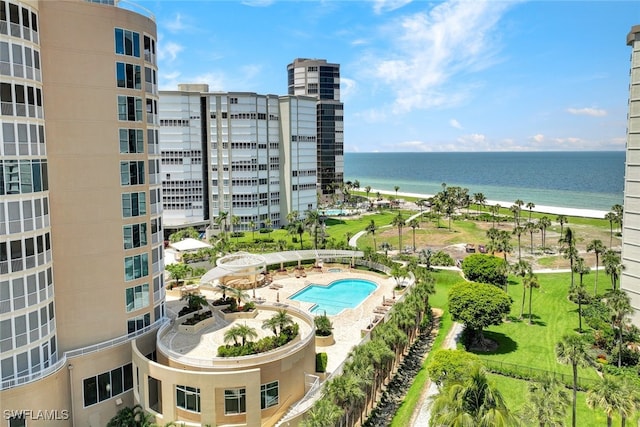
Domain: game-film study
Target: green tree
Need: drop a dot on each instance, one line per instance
(518, 231)
(222, 219)
(608, 395)
(612, 218)
(543, 224)
(613, 266)
(573, 350)
(522, 268)
(478, 305)
(194, 301)
(530, 206)
(178, 272)
(313, 223)
(547, 403)
(480, 200)
(530, 281)
(414, 223)
(235, 222)
(398, 272)
(296, 228)
(346, 391)
(246, 333)
(398, 221)
(451, 366)
(562, 220)
(324, 413)
(474, 402)
(134, 416)
(579, 294)
(371, 229)
(569, 251)
(252, 227)
(532, 229)
(485, 268)
(619, 306)
(598, 249)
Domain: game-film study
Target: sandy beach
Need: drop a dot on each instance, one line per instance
(554, 210)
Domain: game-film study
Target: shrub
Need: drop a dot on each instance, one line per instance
(324, 327)
(321, 362)
(442, 259)
(248, 306)
(484, 268)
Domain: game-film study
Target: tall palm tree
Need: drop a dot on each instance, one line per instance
(608, 395)
(597, 248)
(371, 229)
(543, 224)
(579, 294)
(282, 319)
(324, 413)
(522, 268)
(562, 220)
(573, 350)
(530, 281)
(631, 402)
(396, 188)
(312, 221)
(297, 228)
(547, 403)
(613, 266)
(367, 190)
(398, 221)
(414, 223)
(530, 206)
(346, 392)
(531, 228)
(519, 231)
(495, 210)
(473, 402)
(568, 248)
(222, 218)
(612, 218)
(619, 307)
(252, 226)
(480, 200)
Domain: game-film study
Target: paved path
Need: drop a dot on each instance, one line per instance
(422, 415)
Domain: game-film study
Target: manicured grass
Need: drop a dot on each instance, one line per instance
(554, 315)
(515, 395)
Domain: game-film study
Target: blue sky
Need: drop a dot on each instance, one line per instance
(423, 76)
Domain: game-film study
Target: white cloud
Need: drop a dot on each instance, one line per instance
(380, 6)
(476, 138)
(347, 88)
(538, 138)
(430, 48)
(455, 124)
(593, 112)
(177, 25)
(169, 51)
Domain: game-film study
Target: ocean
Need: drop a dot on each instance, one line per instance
(583, 180)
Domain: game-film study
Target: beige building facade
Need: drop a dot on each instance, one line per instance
(81, 242)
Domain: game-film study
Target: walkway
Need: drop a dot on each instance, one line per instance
(421, 416)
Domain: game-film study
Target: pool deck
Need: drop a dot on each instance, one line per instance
(347, 325)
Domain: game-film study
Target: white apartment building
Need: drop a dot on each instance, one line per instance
(237, 154)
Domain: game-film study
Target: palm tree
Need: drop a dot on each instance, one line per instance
(568, 248)
(543, 224)
(345, 390)
(562, 219)
(252, 226)
(547, 403)
(268, 223)
(613, 266)
(612, 218)
(530, 206)
(371, 229)
(398, 221)
(194, 301)
(414, 223)
(515, 210)
(396, 188)
(530, 281)
(607, 394)
(235, 222)
(480, 200)
(522, 268)
(239, 294)
(232, 334)
(579, 294)
(297, 228)
(531, 228)
(245, 332)
(324, 413)
(473, 402)
(367, 190)
(282, 319)
(495, 210)
(271, 324)
(518, 231)
(631, 402)
(597, 248)
(312, 221)
(572, 350)
(619, 307)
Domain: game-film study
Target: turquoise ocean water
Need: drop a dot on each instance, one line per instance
(584, 180)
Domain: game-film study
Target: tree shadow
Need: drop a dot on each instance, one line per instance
(505, 344)
(333, 221)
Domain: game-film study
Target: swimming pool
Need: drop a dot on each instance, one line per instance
(335, 212)
(338, 295)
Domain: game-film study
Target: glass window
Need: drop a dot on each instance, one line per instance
(90, 391)
(137, 297)
(268, 395)
(188, 398)
(235, 401)
(136, 266)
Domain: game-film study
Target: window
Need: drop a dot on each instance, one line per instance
(128, 76)
(107, 385)
(269, 395)
(135, 235)
(129, 108)
(131, 173)
(131, 141)
(134, 204)
(17, 421)
(235, 401)
(127, 42)
(136, 266)
(137, 297)
(138, 323)
(188, 398)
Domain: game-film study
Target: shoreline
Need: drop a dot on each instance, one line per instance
(554, 210)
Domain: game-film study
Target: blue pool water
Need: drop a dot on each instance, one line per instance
(334, 212)
(338, 295)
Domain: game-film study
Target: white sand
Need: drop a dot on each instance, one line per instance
(586, 213)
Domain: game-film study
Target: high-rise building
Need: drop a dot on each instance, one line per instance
(81, 257)
(630, 277)
(317, 78)
(237, 155)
